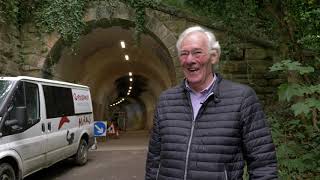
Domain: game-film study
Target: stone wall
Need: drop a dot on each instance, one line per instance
(33, 50)
(9, 50)
(251, 66)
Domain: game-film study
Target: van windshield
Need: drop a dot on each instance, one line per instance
(5, 87)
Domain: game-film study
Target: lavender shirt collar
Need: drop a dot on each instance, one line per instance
(198, 98)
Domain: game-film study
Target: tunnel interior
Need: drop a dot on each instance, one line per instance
(125, 81)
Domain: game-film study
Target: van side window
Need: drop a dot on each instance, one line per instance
(59, 101)
(26, 94)
(17, 101)
(32, 102)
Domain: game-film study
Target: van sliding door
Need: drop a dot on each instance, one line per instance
(60, 122)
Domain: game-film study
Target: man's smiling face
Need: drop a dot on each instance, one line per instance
(196, 60)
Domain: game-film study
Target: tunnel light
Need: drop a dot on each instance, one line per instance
(123, 44)
(130, 87)
(126, 57)
(128, 93)
(130, 73)
(118, 102)
(131, 79)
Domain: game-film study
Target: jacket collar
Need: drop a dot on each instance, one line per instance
(215, 89)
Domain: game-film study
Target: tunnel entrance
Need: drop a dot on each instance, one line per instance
(124, 78)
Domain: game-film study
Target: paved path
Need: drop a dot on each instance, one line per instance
(135, 140)
(115, 159)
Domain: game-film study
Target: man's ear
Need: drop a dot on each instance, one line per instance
(214, 58)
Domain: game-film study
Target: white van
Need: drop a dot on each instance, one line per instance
(42, 122)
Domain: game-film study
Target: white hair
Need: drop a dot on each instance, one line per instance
(213, 44)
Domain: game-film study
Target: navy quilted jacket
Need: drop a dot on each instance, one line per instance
(229, 130)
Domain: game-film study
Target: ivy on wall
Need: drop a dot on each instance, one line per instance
(64, 16)
(140, 10)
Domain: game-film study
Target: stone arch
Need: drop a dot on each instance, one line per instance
(110, 16)
(156, 30)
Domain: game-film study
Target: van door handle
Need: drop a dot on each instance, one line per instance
(43, 128)
(49, 126)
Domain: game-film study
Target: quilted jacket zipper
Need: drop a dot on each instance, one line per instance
(225, 173)
(158, 171)
(188, 151)
(191, 133)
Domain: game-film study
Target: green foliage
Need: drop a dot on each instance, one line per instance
(289, 65)
(287, 91)
(298, 142)
(235, 16)
(306, 106)
(8, 11)
(298, 146)
(63, 16)
(306, 16)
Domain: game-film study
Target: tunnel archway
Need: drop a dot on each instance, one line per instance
(100, 63)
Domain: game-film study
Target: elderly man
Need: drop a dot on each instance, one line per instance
(208, 128)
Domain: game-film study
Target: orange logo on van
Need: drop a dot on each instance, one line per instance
(62, 121)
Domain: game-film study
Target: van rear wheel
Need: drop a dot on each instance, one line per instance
(6, 172)
(81, 156)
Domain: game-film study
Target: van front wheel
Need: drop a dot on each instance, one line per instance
(6, 172)
(81, 157)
